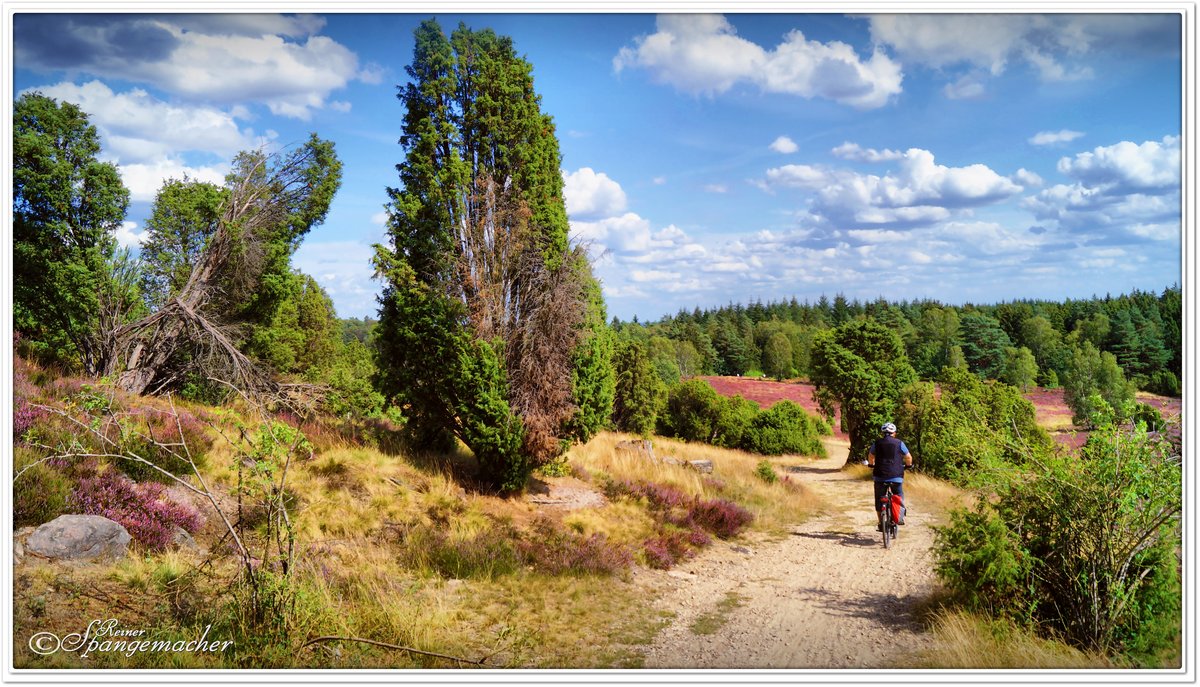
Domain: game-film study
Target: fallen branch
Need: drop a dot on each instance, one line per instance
(330, 638)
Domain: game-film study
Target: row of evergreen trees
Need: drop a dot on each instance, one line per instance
(1023, 342)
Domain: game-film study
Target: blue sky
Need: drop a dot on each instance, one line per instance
(708, 159)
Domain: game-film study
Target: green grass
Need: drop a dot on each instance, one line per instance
(710, 623)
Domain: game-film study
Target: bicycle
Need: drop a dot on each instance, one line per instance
(889, 512)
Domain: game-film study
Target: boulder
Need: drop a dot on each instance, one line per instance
(79, 538)
(705, 466)
(641, 447)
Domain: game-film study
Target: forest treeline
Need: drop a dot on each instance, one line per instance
(1023, 342)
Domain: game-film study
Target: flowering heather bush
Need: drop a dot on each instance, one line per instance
(659, 496)
(24, 391)
(143, 509)
(667, 549)
(140, 431)
(25, 416)
(721, 517)
(558, 551)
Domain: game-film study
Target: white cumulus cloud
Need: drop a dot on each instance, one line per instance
(784, 145)
(127, 235)
(592, 194)
(1126, 166)
(281, 62)
(132, 123)
(702, 54)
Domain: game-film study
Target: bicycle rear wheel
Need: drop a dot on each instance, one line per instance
(887, 528)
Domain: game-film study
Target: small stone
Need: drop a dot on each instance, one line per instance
(182, 539)
(705, 466)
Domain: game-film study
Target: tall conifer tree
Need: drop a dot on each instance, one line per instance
(492, 329)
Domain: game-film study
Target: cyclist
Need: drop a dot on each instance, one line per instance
(888, 457)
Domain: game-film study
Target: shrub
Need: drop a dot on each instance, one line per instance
(1094, 556)
(692, 409)
(1163, 383)
(25, 416)
(1148, 416)
(722, 517)
(143, 509)
(784, 428)
(766, 472)
(667, 549)
(558, 551)
(41, 493)
(160, 438)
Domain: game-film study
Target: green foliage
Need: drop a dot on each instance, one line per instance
(1148, 416)
(860, 368)
(777, 356)
(784, 428)
(639, 391)
(1083, 545)
(351, 392)
(766, 472)
(593, 376)
(301, 336)
(260, 280)
(972, 423)
(984, 343)
(66, 207)
(1164, 383)
(41, 493)
(1020, 368)
(1095, 386)
(980, 560)
(692, 410)
(936, 336)
(695, 412)
(492, 329)
(185, 215)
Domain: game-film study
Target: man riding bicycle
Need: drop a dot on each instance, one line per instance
(888, 457)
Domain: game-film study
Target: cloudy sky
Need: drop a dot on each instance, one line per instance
(708, 159)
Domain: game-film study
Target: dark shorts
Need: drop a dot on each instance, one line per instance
(881, 488)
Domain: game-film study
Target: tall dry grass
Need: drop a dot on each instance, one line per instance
(964, 641)
(775, 506)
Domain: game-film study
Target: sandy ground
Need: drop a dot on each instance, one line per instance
(827, 596)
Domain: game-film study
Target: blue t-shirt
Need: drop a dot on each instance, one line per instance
(889, 455)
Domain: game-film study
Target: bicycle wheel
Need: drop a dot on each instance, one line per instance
(887, 528)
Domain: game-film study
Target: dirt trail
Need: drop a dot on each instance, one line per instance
(824, 597)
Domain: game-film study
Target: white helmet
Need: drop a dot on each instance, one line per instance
(888, 428)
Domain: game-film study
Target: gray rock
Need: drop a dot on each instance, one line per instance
(181, 539)
(79, 538)
(705, 466)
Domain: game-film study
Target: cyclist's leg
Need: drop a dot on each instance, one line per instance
(880, 489)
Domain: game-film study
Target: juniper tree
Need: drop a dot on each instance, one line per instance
(492, 329)
(67, 204)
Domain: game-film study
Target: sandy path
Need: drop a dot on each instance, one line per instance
(824, 597)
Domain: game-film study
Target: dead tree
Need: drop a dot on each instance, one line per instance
(513, 292)
(272, 201)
